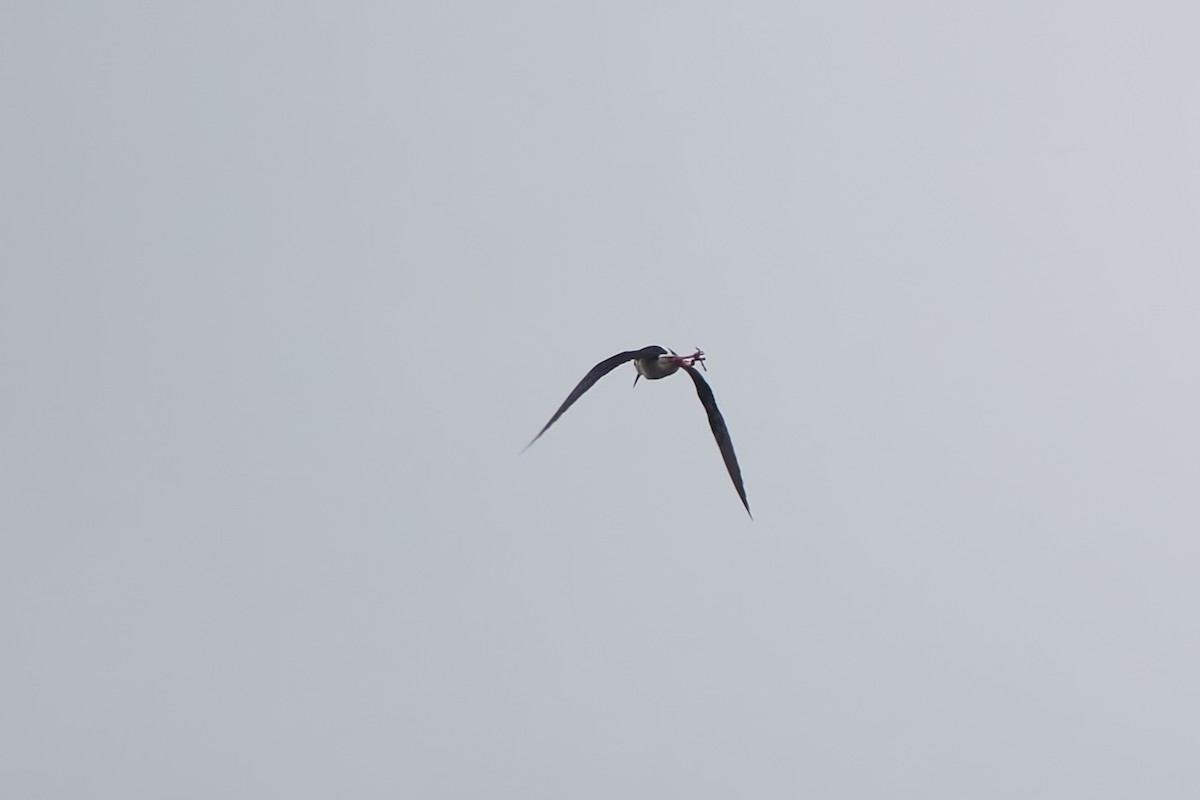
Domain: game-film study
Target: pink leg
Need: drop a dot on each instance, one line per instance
(692, 360)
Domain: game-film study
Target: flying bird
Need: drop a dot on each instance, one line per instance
(654, 363)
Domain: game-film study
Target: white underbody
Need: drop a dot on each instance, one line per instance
(659, 368)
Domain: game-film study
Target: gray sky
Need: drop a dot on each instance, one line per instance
(285, 288)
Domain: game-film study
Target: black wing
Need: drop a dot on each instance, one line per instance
(720, 433)
(597, 372)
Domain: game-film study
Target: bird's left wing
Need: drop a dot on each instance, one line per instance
(596, 373)
(720, 432)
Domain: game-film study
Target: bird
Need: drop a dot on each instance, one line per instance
(655, 363)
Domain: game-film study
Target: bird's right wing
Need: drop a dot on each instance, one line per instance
(596, 373)
(720, 433)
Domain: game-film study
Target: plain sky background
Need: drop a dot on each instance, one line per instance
(285, 288)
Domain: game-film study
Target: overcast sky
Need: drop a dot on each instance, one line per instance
(286, 287)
